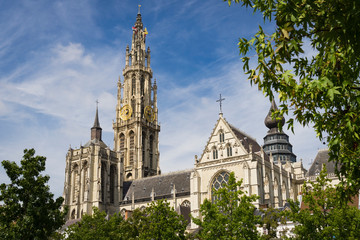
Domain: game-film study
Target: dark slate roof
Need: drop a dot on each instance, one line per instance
(162, 185)
(321, 158)
(245, 139)
(96, 142)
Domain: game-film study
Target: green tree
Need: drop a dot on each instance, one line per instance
(272, 218)
(230, 216)
(156, 221)
(29, 210)
(311, 60)
(323, 214)
(98, 227)
(159, 221)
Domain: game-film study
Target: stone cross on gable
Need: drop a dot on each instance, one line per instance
(220, 101)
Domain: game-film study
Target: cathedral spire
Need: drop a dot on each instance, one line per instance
(96, 130)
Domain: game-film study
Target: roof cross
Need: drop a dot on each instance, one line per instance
(220, 101)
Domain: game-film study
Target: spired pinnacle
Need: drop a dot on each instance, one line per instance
(96, 129)
(138, 23)
(269, 121)
(96, 121)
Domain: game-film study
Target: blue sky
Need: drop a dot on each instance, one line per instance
(58, 57)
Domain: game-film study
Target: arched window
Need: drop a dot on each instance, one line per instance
(103, 181)
(75, 182)
(229, 150)
(219, 181)
(185, 209)
(132, 147)
(143, 146)
(122, 142)
(133, 106)
(133, 85)
(142, 85)
(222, 137)
(112, 183)
(151, 150)
(73, 214)
(215, 153)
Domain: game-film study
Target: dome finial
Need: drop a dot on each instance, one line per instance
(270, 122)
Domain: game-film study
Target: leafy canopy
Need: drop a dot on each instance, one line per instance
(312, 61)
(96, 226)
(231, 216)
(323, 214)
(29, 210)
(157, 221)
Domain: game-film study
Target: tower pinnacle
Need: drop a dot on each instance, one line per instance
(96, 130)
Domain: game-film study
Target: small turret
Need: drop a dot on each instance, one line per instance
(96, 130)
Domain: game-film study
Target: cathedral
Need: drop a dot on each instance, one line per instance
(129, 176)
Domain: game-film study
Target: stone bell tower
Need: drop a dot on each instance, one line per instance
(136, 130)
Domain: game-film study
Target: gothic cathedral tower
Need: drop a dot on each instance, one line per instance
(136, 130)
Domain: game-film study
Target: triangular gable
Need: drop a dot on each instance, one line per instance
(239, 142)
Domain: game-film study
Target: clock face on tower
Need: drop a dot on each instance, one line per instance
(125, 112)
(149, 113)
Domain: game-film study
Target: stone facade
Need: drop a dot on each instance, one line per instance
(129, 176)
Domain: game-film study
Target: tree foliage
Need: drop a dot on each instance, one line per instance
(312, 61)
(323, 214)
(272, 217)
(29, 210)
(231, 216)
(157, 221)
(97, 226)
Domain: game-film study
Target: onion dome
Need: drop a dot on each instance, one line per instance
(270, 122)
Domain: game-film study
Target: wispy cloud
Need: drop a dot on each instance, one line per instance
(57, 58)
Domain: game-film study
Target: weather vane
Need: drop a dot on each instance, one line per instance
(220, 101)
(139, 8)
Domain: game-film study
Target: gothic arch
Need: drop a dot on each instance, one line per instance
(112, 182)
(229, 150)
(131, 147)
(73, 214)
(151, 149)
(186, 203)
(103, 180)
(122, 141)
(218, 181)
(215, 154)
(276, 187)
